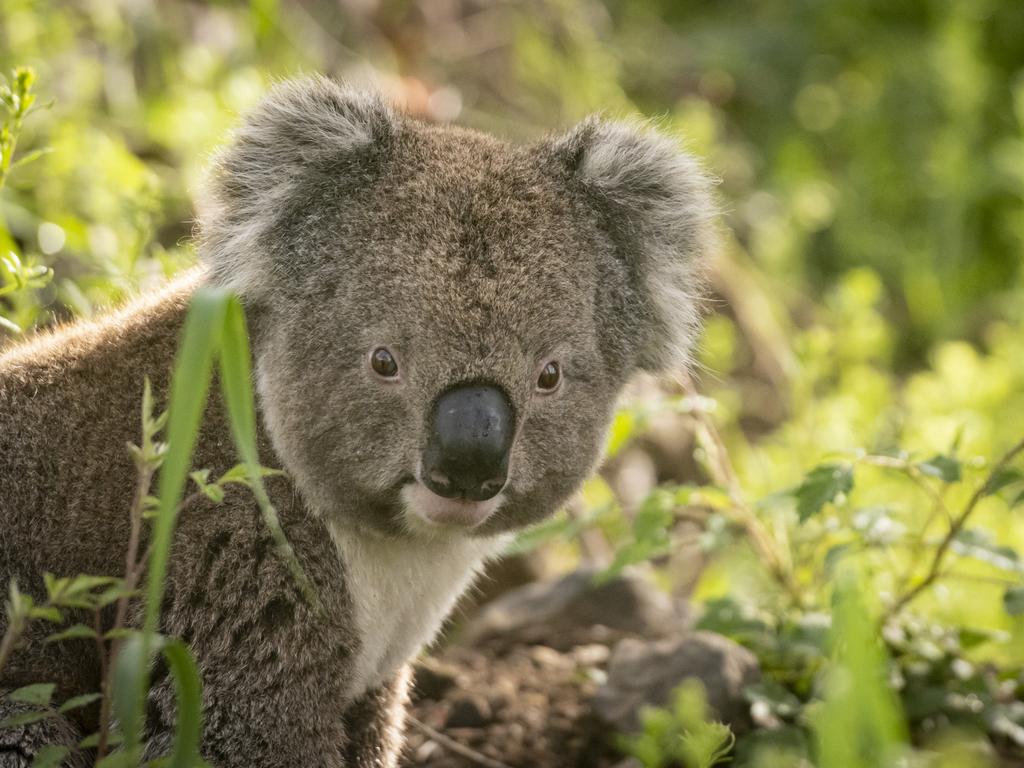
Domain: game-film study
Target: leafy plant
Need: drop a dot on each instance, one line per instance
(214, 328)
(680, 735)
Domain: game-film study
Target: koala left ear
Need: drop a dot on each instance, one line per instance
(657, 205)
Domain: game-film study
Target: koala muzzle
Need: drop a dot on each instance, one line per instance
(470, 438)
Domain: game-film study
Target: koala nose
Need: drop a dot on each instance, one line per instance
(471, 429)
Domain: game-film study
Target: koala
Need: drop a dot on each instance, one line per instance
(441, 323)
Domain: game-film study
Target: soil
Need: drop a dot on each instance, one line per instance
(526, 708)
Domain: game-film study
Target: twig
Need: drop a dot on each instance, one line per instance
(724, 474)
(459, 749)
(10, 639)
(133, 571)
(593, 545)
(938, 505)
(957, 525)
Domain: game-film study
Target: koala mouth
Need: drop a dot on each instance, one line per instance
(426, 509)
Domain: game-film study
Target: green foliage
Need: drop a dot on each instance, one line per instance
(821, 486)
(859, 724)
(680, 735)
(214, 328)
(865, 370)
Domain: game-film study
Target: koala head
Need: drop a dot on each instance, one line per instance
(442, 322)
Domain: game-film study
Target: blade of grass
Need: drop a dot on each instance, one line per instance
(189, 690)
(860, 724)
(215, 327)
(236, 383)
(190, 385)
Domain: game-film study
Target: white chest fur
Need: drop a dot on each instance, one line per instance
(402, 591)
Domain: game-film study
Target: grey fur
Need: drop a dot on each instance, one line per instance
(344, 225)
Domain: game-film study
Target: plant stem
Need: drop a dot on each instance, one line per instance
(10, 639)
(956, 526)
(133, 571)
(724, 474)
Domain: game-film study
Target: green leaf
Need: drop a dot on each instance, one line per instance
(655, 516)
(821, 486)
(50, 756)
(860, 724)
(779, 700)
(188, 691)
(26, 718)
(236, 383)
(38, 694)
(979, 544)
(113, 594)
(1013, 601)
(81, 584)
(119, 760)
(946, 468)
(73, 632)
(29, 157)
(1002, 478)
(46, 613)
(835, 555)
(240, 474)
(79, 701)
(131, 682)
(213, 492)
(92, 740)
(624, 427)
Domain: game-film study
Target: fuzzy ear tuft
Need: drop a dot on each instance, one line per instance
(305, 132)
(659, 207)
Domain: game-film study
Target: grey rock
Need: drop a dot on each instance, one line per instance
(573, 610)
(433, 679)
(469, 712)
(644, 673)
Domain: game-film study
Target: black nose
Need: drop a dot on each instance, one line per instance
(470, 434)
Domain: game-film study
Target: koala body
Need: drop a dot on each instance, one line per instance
(441, 324)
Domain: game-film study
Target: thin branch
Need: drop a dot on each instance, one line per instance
(935, 569)
(10, 639)
(724, 474)
(450, 744)
(133, 572)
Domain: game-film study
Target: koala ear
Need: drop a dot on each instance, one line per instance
(657, 205)
(306, 134)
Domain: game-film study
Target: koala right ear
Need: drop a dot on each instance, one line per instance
(305, 132)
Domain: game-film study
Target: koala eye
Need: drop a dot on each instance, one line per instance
(550, 377)
(384, 363)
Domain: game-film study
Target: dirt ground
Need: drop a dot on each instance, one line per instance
(527, 708)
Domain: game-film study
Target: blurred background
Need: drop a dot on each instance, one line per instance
(862, 368)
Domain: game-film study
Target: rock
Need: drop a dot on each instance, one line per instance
(469, 712)
(573, 611)
(432, 679)
(644, 673)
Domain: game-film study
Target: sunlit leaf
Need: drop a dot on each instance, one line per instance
(821, 486)
(946, 468)
(1003, 478)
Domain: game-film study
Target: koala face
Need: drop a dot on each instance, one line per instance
(442, 322)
